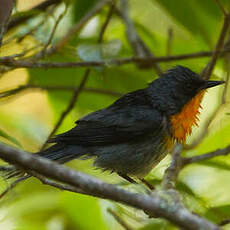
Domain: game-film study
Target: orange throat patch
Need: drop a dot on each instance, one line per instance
(183, 121)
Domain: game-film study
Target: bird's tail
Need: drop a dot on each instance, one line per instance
(60, 153)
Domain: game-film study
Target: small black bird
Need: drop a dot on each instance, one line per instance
(135, 133)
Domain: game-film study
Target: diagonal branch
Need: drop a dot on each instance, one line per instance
(42, 53)
(153, 204)
(221, 8)
(69, 107)
(206, 73)
(82, 84)
(138, 46)
(106, 23)
(76, 28)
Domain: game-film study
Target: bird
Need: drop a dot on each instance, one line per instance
(133, 134)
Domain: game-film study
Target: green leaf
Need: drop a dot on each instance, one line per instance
(9, 138)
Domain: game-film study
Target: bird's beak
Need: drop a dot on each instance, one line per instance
(209, 84)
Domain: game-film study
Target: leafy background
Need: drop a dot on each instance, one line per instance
(28, 118)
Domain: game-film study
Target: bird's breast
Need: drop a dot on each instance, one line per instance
(183, 121)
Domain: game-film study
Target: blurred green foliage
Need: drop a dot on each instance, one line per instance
(195, 25)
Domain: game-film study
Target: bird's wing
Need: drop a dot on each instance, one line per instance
(115, 124)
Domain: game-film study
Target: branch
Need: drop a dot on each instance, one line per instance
(172, 171)
(206, 73)
(221, 8)
(106, 23)
(76, 28)
(216, 153)
(12, 185)
(42, 53)
(19, 89)
(11, 62)
(138, 46)
(169, 41)
(153, 204)
(70, 106)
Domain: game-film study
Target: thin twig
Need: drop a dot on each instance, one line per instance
(104, 26)
(206, 156)
(227, 67)
(13, 185)
(221, 7)
(12, 92)
(131, 31)
(69, 107)
(119, 219)
(76, 28)
(169, 42)
(204, 131)
(206, 73)
(139, 47)
(42, 53)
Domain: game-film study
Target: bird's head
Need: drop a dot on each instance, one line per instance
(177, 87)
